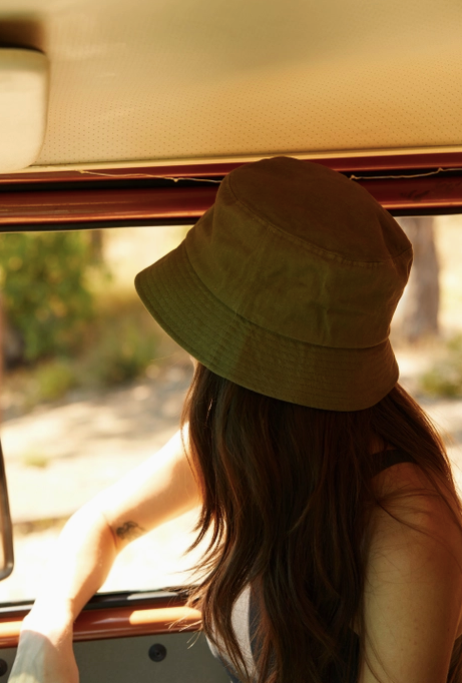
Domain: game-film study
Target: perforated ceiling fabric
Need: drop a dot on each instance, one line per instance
(157, 80)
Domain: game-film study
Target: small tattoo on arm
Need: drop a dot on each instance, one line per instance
(129, 531)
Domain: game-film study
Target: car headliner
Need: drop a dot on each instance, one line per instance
(143, 89)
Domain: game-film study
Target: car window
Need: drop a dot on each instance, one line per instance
(92, 386)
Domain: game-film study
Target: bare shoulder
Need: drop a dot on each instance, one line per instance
(416, 520)
(413, 587)
(409, 495)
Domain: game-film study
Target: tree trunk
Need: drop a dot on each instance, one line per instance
(417, 313)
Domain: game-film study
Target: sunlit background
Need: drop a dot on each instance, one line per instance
(91, 386)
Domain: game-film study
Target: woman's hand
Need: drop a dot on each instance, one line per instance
(44, 656)
(158, 490)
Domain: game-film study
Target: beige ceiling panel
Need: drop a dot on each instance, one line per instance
(175, 79)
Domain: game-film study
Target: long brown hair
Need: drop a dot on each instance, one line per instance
(286, 493)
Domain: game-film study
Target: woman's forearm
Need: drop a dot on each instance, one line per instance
(159, 489)
(84, 555)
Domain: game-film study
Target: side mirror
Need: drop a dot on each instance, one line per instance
(6, 527)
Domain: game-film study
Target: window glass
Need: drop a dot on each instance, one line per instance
(427, 327)
(91, 385)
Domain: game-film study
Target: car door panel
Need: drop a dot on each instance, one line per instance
(130, 637)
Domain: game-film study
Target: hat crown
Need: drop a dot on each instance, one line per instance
(287, 286)
(318, 205)
(302, 251)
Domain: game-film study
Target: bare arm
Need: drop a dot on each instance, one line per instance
(158, 490)
(413, 592)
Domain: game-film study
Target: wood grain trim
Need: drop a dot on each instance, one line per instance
(9, 631)
(431, 193)
(212, 169)
(77, 206)
(115, 623)
(122, 621)
(32, 209)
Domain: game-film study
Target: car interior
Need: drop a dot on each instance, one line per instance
(117, 114)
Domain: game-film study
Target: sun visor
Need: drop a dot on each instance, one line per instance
(23, 107)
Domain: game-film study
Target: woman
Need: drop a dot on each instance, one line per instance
(336, 549)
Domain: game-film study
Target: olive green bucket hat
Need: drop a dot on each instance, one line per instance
(287, 286)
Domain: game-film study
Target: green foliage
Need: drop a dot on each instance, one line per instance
(44, 288)
(123, 343)
(54, 379)
(118, 345)
(73, 338)
(445, 377)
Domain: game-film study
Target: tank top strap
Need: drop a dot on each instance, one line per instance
(388, 458)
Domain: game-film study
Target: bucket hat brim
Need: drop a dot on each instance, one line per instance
(256, 358)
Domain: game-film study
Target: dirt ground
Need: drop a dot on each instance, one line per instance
(90, 444)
